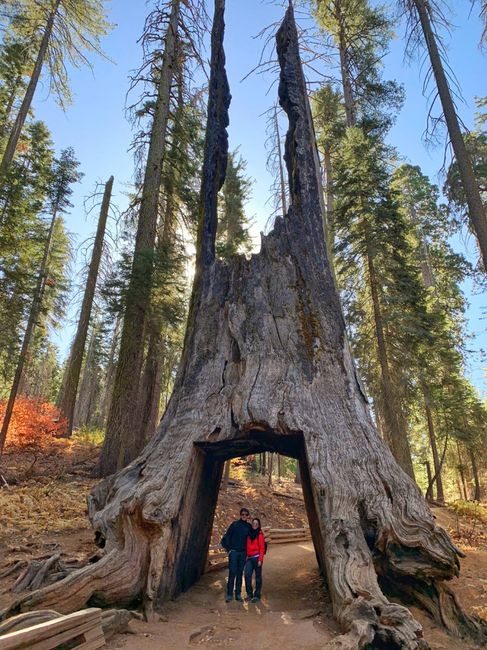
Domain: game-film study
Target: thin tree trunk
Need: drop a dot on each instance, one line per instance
(475, 473)
(396, 434)
(270, 468)
(73, 369)
(226, 475)
(432, 438)
(462, 473)
(279, 466)
(297, 476)
(109, 375)
(33, 314)
(429, 490)
(82, 409)
(120, 446)
(9, 105)
(345, 72)
(475, 207)
(329, 204)
(29, 94)
(151, 386)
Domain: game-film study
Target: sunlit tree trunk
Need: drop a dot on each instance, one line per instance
(120, 444)
(69, 391)
(476, 209)
(29, 94)
(31, 321)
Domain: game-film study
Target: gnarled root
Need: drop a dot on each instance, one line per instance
(116, 578)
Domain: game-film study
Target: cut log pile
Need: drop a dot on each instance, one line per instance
(218, 558)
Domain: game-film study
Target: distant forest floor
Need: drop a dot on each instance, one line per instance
(43, 511)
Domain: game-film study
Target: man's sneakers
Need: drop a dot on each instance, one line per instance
(239, 598)
(228, 599)
(255, 599)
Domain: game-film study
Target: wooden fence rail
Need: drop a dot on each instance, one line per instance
(218, 558)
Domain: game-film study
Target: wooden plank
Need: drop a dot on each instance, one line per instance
(90, 627)
(289, 530)
(35, 633)
(94, 639)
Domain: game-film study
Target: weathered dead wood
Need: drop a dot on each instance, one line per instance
(21, 621)
(266, 367)
(12, 567)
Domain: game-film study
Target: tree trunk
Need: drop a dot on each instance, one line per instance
(476, 209)
(345, 70)
(475, 473)
(394, 425)
(73, 369)
(33, 314)
(226, 475)
(29, 94)
(240, 390)
(109, 375)
(461, 471)
(83, 406)
(121, 445)
(270, 469)
(297, 476)
(329, 205)
(429, 490)
(432, 438)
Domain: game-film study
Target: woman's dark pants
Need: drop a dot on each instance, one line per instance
(236, 562)
(252, 565)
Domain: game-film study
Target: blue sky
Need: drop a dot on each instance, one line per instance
(95, 125)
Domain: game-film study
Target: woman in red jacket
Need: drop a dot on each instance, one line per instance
(255, 557)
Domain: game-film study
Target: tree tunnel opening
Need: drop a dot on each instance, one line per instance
(188, 560)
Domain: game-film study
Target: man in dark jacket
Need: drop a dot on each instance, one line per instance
(235, 543)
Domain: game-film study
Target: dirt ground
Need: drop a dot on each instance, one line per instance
(294, 614)
(43, 511)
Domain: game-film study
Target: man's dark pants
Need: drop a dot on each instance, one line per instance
(236, 562)
(252, 565)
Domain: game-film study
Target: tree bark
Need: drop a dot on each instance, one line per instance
(226, 475)
(462, 473)
(33, 314)
(429, 490)
(121, 445)
(29, 94)
(329, 205)
(432, 438)
(72, 374)
(267, 367)
(476, 209)
(475, 473)
(395, 431)
(109, 375)
(87, 390)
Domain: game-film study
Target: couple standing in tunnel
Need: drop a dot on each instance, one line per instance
(246, 546)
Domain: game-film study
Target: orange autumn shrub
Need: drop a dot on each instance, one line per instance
(34, 423)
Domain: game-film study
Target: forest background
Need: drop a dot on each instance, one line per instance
(96, 126)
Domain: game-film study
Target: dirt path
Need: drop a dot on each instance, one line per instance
(294, 611)
(294, 614)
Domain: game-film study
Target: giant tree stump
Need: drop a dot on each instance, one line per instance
(267, 367)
